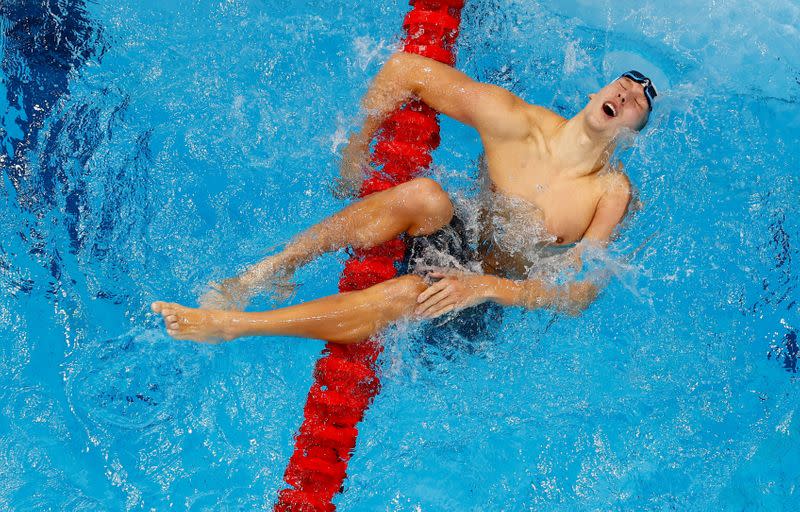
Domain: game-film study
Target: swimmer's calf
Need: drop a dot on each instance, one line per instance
(343, 318)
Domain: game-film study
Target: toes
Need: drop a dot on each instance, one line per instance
(164, 308)
(169, 312)
(178, 335)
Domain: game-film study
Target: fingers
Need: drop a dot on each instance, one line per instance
(441, 274)
(431, 290)
(440, 309)
(443, 294)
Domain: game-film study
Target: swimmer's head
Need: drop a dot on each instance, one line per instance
(625, 103)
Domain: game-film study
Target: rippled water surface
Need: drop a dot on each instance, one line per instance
(149, 147)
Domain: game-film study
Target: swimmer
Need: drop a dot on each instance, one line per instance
(551, 171)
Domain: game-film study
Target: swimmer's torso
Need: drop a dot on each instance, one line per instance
(529, 205)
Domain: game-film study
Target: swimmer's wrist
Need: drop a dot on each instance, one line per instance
(497, 289)
(530, 293)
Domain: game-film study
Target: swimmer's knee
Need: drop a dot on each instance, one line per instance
(410, 284)
(430, 205)
(404, 290)
(429, 197)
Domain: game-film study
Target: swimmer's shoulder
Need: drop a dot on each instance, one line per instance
(615, 185)
(543, 119)
(541, 123)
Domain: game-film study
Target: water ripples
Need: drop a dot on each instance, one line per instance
(182, 141)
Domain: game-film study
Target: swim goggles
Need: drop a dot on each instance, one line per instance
(650, 92)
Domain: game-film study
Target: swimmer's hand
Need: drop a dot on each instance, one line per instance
(452, 292)
(353, 167)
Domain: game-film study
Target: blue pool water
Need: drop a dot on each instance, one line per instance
(149, 147)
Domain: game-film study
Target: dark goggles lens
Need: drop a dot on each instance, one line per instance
(649, 89)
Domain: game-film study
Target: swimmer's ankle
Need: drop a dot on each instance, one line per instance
(227, 323)
(234, 325)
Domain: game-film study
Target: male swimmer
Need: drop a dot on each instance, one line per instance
(540, 169)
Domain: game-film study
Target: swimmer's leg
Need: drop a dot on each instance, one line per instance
(343, 318)
(418, 207)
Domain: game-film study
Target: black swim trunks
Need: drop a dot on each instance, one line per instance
(450, 247)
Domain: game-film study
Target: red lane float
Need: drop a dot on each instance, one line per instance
(345, 381)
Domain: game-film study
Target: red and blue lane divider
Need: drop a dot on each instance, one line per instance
(345, 380)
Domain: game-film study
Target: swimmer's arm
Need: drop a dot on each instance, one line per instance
(490, 109)
(573, 297)
(609, 213)
(461, 290)
(495, 112)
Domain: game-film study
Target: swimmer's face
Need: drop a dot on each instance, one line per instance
(619, 106)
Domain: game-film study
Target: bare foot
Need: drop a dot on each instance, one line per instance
(182, 323)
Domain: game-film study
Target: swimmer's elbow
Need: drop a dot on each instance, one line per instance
(579, 297)
(576, 309)
(401, 69)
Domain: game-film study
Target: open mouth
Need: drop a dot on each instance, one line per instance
(610, 109)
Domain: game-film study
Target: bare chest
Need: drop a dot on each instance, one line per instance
(564, 206)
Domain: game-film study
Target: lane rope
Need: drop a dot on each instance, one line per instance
(345, 379)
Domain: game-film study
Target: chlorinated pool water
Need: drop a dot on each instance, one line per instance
(150, 147)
